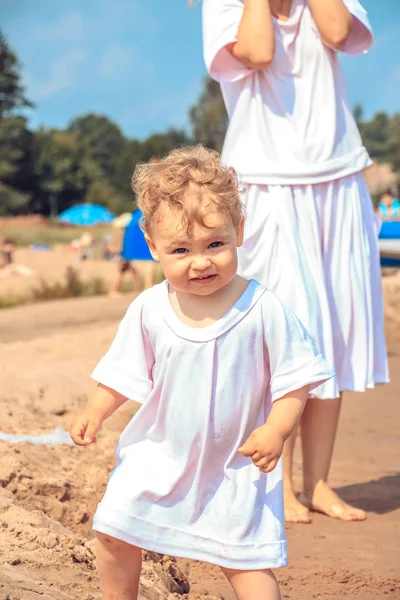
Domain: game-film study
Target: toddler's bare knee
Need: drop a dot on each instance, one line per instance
(111, 545)
(109, 542)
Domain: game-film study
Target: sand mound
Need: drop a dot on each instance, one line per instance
(41, 558)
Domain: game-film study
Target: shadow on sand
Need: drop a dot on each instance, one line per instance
(378, 496)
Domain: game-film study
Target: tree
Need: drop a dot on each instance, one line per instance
(358, 113)
(375, 134)
(16, 168)
(102, 192)
(11, 201)
(393, 143)
(159, 144)
(64, 169)
(12, 92)
(208, 117)
(103, 142)
(15, 138)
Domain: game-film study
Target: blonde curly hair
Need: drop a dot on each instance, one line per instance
(191, 181)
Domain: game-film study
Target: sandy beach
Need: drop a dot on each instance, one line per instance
(48, 494)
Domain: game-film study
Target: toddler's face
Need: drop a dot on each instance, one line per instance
(201, 263)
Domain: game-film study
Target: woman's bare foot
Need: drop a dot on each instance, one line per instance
(295, 511)
(327, 502)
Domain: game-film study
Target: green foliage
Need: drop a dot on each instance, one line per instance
(375, 135)
(381, 137)
(208, 117)
(102, 192)
(103, 143)
(63, 167)
(393, 143)
(12, 93)
(15, 139)
(11, 200)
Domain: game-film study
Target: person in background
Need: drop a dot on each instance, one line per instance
(389, 207)
(86, 245)
(310, 233)
(7, 264)
(124, 267)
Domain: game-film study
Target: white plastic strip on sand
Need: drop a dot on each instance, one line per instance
(55, 438)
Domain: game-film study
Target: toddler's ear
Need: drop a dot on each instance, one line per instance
(152, 248)
(240, 233)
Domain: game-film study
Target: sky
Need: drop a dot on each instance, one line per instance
(140, 61)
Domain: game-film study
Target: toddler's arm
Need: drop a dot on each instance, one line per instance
(101, 405)
(265, 444)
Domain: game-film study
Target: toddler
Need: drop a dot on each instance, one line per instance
(223, 370)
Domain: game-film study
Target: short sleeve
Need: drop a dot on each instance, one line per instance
(361, 37)
(294, 361)
(221, 19)
(127, 365)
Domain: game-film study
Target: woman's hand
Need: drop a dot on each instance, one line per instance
(264, 447)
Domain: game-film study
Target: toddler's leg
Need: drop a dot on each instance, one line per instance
(119, 565)
(253, 585)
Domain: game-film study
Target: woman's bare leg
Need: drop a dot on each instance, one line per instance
(150, 269)
(253, 585)
(137, 284)
(113, 291)
(295, 512)
(318, 432)
(119, 565)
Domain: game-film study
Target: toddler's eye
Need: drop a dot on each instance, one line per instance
(215, 244)
(180, 251)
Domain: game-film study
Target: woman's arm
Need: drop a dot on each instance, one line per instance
(255, 45)
(334, 21)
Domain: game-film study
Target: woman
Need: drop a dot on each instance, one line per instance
(310, 231)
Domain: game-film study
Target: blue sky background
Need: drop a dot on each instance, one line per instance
(140, 61)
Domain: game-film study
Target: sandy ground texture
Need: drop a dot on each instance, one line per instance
(48, 494)
(51, 266)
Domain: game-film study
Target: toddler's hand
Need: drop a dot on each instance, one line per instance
(264, 446)
(84, 428)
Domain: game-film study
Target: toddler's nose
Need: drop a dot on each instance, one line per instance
(200, 263)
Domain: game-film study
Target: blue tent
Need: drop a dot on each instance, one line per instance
(390, 230)
(134, 246)
(86, 214)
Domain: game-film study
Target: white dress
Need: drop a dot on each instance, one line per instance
(180, 486)
(310, 233)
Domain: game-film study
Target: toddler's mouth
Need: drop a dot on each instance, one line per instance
(204, 278)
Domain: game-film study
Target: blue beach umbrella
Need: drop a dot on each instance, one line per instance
(86, 214)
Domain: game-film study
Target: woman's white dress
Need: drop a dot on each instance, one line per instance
(310, 234)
